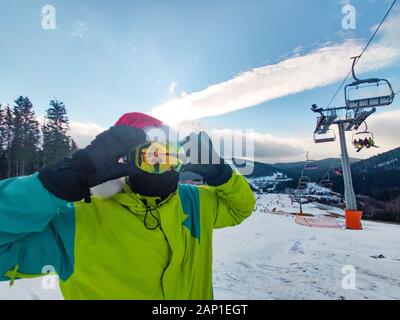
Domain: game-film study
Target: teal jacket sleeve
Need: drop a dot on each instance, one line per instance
(37, 230)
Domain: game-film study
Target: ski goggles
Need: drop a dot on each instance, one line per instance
(158, 158)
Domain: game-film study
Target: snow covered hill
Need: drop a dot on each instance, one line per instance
(269, 256)
(268, 183)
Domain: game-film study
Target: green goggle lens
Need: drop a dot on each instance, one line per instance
(154, 157)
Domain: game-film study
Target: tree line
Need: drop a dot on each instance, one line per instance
(26, 144)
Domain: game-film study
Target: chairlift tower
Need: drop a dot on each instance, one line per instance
(349, 194)
(350, 117)
(346, 120)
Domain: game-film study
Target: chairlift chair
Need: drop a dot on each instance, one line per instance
(338, 171)
(370, 100)
(323, 133)
(326, 182)
(328, 136)
(301, 187)
(310, 164)
(303, 181)
(362, 136)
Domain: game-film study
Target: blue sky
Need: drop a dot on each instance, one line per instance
(110, 57)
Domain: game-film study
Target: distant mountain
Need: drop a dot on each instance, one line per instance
(375, 176)
(294, 168)
(371, 177)
(259, 170)
(376, 181)
(386, 161)
(265, 170)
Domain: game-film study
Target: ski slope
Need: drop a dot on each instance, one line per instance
(269, 256)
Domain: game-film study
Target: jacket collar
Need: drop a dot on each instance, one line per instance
(134, 200)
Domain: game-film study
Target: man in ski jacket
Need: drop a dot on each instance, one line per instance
(152, 239)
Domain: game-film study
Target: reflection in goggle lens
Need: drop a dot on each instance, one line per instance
(158, 158)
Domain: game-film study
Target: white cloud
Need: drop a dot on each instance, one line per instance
(79, 29)
(172, 87)
(298, 73)
(272, 149)
(84, 133)
(269, 148)
(386, 129)
(345, 2)
(318, 68)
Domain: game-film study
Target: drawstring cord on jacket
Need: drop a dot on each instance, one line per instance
(148, 209)
(13, 275)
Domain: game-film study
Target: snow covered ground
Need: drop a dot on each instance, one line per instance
(269, 256)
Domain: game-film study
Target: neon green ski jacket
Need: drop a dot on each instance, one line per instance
(102, 250)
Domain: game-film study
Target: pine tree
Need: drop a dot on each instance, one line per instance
(7, 132)
(2, 156)
(2, 113)
(26, 137)
(56, 141)
(74, 146)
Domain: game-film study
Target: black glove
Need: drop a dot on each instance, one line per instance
(71, 178)
(204, 160)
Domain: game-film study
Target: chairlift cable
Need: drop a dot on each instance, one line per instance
(365, 48)
(311, 145)
(330, 168)
(377, 29)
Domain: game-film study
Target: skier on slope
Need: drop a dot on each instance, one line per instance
(150, 240)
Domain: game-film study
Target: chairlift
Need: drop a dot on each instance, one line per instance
(326, 182)
(338, 171)
(328, 136)
(310, 164)
(363, 139)
(323, 132)
(301, 187)
(303, 181)
(358, 93)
